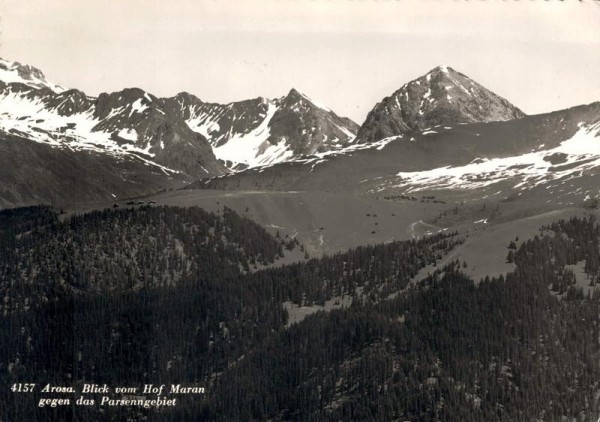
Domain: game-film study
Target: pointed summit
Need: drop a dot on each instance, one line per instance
(185, 98)
(295, 96)
(294, 93)
(443, 68)
(443, 96)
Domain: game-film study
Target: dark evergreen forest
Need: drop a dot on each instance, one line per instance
(180, 295)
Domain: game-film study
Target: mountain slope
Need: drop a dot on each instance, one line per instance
(441, 97)
(514, 157)
(261, 131)
(33, 173)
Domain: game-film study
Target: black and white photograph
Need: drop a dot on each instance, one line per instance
(300, 210)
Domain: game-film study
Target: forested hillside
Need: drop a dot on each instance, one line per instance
(132, 296)
(170, 295)
(521, 348)
(123, 249)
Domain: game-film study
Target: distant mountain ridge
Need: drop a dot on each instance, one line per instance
(262, 131)
(131, 123)
(181, 133)
(443, 96)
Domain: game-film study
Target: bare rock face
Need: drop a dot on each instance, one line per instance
(309, 127)
(441, 97)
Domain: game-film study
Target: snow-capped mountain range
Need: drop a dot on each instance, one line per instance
(201, 139)
(130, 124)
(178, 134)
(441, 131)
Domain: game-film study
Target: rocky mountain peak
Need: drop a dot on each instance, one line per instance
(294, 95)
(443, 96)
(27, 72)
(185, 99)
(17, 73)
(70, 102)
(135, 99)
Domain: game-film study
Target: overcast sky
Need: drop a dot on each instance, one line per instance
(347, 54)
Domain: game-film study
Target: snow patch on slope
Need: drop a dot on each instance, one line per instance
(581, 152)
(323, 157)
(351, 136)
(205, 123)
(138, 106)
(128, 134)
(253, 148)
